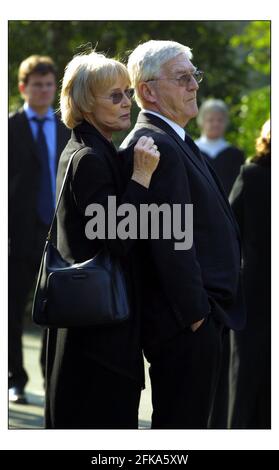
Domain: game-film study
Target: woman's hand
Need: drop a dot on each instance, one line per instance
(146, 159)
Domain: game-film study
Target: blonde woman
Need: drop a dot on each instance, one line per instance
(95, 376)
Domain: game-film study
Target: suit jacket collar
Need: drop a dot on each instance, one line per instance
(178, 129)
(28, 136)
(154, 121)
(150, 119)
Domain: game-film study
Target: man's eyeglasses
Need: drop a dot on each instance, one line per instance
(184, 80)
(117, 97)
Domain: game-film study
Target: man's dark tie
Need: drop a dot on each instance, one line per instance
(193, 147)
(189, 141)
(45, 198)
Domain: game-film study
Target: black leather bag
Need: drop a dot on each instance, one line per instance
(92, 293)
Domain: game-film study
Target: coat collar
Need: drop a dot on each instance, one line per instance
(178, 129)
(88, 133)
(90, 136)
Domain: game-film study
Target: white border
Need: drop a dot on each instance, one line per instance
(145, 439)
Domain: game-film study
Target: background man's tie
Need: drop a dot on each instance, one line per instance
(45, 198)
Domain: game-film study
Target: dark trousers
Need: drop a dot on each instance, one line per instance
(91, 396)
(184, 377)
(22, 274)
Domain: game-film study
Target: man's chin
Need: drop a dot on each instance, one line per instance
(195, 112)
(45, 104)
(196, 109)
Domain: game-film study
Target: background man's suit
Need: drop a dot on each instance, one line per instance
(182, 287)
(26, 232)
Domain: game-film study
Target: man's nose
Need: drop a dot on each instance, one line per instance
(193, 84)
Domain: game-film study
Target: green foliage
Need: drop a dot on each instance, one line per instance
(255, 43)
(248, 117)
(235, 56)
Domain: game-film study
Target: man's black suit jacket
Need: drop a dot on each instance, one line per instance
(181, 287)
(24, 171)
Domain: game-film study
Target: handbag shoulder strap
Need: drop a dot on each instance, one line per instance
(61, 191)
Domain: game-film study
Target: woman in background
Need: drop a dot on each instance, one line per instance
(224, 158)
(251, 202)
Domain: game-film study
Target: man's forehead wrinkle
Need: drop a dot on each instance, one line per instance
(180, 66)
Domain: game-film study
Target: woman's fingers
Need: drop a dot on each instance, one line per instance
(146, 159)
(143, 140)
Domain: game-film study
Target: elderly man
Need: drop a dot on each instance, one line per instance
(188, 296)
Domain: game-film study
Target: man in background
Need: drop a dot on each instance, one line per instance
(36, 140)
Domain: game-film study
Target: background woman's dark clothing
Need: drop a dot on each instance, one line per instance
(251, 202)
(94, 375)
(227, 166)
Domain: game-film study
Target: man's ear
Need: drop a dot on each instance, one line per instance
(147, 92)
(21, 88)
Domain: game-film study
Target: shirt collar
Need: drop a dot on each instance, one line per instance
(178, 129)
(212, 142)
(30, 113)
(212, 146)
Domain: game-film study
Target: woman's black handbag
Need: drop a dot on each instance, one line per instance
(92, 293)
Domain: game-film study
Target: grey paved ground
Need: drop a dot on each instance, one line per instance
(31, 416)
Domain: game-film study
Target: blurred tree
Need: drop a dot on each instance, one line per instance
(254, 107)
(249, 116)
(219, 48)
(254, 43)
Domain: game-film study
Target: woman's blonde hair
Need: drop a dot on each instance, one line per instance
(263, 142)
(86, 76)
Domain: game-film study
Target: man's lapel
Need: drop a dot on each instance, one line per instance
(26, 133)
(221, 189)
(154, 120)
(151, 119)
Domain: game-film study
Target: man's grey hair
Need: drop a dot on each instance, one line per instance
(146, 60)
(212, 105)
